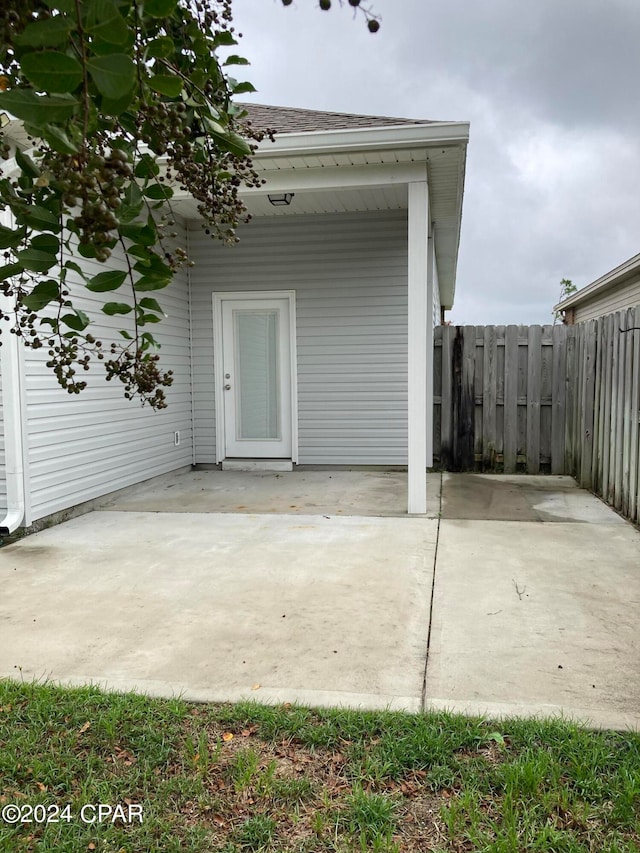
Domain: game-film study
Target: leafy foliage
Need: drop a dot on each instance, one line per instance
(567, 287)
(124, 102)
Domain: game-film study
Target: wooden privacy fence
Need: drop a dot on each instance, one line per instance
(603, 434)
(543, 399)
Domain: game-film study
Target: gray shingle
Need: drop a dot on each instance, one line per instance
(294, 120)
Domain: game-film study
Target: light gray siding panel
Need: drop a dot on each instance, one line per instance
(3, 478)
(349, 272)
(613, 299)
(84, 446)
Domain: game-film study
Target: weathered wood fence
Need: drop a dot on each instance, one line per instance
(543, 399)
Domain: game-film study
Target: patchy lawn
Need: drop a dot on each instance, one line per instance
(246, 777)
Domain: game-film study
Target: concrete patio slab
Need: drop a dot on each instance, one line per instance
(303, 491)
(537, 618)
(322, 595)
(322, 611)
(522, 497)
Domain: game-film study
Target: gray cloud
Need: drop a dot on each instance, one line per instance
(550, 88)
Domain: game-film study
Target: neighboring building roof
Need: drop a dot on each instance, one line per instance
(295, 120)
(611, 279)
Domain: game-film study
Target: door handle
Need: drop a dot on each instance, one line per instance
(227, 387)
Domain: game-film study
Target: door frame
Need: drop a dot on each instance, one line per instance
(218, 298)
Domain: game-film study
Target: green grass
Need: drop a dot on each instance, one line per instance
(248, 777)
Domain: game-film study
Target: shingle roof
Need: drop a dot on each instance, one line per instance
(294, 120)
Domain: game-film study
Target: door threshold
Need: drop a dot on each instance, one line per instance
(265, 465)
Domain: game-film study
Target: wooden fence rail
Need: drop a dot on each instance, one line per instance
(543, 399)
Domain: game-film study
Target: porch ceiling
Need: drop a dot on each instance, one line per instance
(365, 180)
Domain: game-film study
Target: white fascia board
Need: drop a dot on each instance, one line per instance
(337, 178)
(613, 277)
(368, 138)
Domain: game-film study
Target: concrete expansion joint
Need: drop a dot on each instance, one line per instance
(423, 699)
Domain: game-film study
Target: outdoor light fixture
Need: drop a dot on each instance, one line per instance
(280, 199)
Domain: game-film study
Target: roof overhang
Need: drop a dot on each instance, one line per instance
(629, 269)
(360, 169)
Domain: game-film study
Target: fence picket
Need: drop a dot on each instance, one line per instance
(533, 399)
(510, 407)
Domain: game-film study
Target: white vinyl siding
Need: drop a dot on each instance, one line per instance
(349, 272)
(86, 445)
(3, 477)
(616, 298)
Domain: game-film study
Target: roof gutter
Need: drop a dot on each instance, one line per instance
(370, 138)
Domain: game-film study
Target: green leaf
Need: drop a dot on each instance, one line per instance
(145, 235)
(26, 164)
(155, 265)
(146, 167)
(39, 218)
(103, 20)
(46, 243)
(42, 294)
(10, 238)
(67, 6)
(112, 308)
(148, 318)
(151, 282)
(227, 140)
(160, 48)
(166, 84)
(159, 8)
(241, 88)
(37, 110)
(236, 60)
(149, 341)
(116, 106)
(9, 270)
(151, 304)
(77, 321)
(140, 252)
(133, 195)
(72, 265)
(114, 75)
(224, 39)
(58, 139)
(52, 71)
(126, 335)
(35, 260)
(158, 192)
(49, 33)
(110, 280)
(87, 250)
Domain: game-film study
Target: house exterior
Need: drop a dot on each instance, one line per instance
(614, 291)
(308, 343)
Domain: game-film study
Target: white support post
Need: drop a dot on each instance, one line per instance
(418, 321)
(429, 425)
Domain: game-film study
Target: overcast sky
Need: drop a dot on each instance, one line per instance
(551, 89)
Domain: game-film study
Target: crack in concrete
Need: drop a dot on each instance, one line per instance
(423, 697)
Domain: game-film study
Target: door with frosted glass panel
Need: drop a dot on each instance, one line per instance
(256, 366)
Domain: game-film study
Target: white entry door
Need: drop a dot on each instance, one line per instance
(256, 377)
